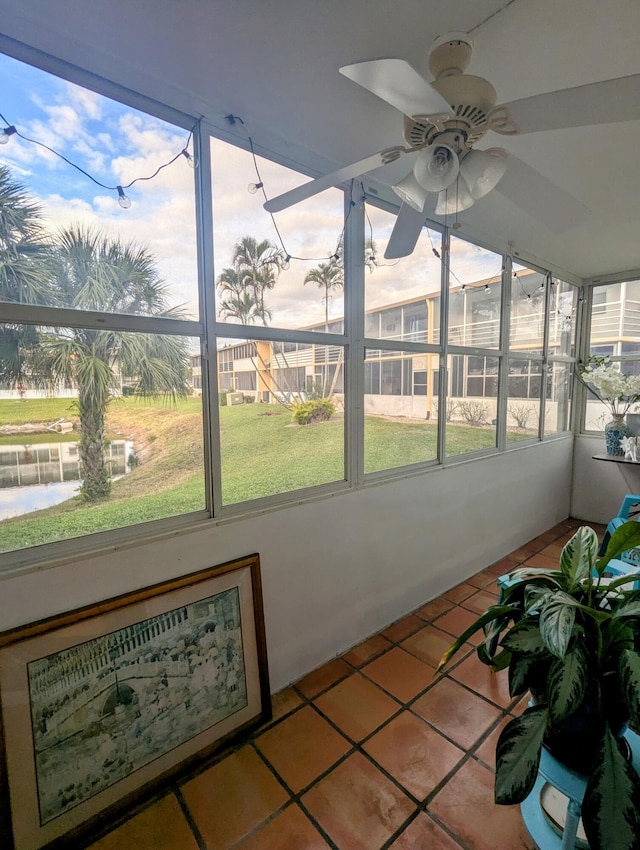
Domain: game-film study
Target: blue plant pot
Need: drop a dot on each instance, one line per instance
(614, 431)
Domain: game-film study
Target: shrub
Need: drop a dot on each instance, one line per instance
(314, 410)
(451, 408)
(473, 412)
(520, 413)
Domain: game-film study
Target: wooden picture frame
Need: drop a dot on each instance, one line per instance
(103, 706)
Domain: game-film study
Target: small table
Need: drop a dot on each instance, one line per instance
(624, 464)
(573, 786)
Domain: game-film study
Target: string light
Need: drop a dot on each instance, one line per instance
(192, 162)
(123, 200)
(487, 288)
(252, 188)
(6, 134)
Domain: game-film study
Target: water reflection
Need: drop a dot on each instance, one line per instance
(38, 476)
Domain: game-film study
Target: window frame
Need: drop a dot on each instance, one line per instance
(209, 330)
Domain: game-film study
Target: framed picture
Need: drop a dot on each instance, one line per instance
(101, 706)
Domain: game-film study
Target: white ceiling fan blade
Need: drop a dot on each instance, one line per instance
(313, 187)
(608, 102)
(541, 198)
(396, 82)
(406, 230)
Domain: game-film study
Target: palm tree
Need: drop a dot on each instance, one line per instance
(241, 306)
(24, 270)
(257, 263)
(326, 276)
(95, 272)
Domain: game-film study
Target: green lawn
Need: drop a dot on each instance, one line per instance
(262, 454)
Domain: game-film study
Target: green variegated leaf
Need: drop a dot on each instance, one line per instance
(548, 577)
(629, 607)
(611, 805)
(626, 536)
(535, 596)
(567, 683)
(525, 639)
(556, 623)
(518, 755)
(630, 681)
(520, 671)
(579, 555)
(492, 613)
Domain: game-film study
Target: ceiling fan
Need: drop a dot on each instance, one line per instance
(444, 120)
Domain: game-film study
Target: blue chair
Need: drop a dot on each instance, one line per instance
(628, 510)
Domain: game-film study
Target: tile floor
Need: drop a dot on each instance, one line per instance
(367, 752)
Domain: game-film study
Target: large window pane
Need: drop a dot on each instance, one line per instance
(557, 418)
(526, 330)
(80, 249)
(71, 465)
(401, 425)
(264, 451)
(474, 296)
(524, 393)
(283, 274)
(402, 297)
(471, 403)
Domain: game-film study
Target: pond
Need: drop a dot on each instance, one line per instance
(39, 476)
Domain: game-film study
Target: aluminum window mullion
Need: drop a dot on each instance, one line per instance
(209, 360)
(354, 307)
(443, 388)
(503, 365)
(67, 317)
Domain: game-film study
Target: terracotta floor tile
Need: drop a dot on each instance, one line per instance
(322, 678)
(553, 550)
(424, 834)
(465, 805)
(481, 679)
(357, 706)
(456, 621)
(456, 712)
(486, 752)
(459, 592)
(505, 565)
(414, 754)
(290, 830)
(162, 826)
(400, 674)
(357, 806)
(402, 628)
(434, 608)
(284, 702)
(232, 798)
(429, 645)
(544, 561)
(364, 652)
(302, 747)
(480, 601)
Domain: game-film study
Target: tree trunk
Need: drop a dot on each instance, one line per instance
(97, 481)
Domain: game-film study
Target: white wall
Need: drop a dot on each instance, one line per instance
(599, 486)
(337, 569)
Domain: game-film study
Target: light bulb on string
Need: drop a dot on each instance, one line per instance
(541, 287)
(123, 200)
(286, 263)
(6, 134)
(192, 162)
(252, 188)
(487, 288)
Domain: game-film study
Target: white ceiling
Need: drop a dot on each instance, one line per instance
(275, 63)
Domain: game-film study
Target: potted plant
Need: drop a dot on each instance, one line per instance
(619, 391)
(571, 636)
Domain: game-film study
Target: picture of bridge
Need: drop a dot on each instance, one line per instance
(104, 708)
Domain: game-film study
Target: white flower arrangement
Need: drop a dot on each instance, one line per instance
(609, 384)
